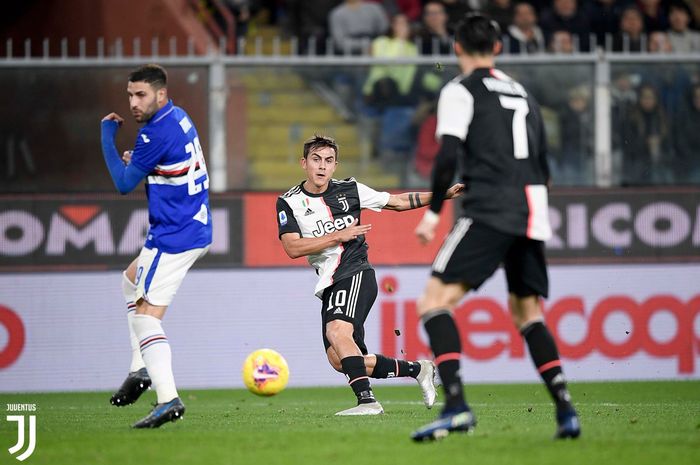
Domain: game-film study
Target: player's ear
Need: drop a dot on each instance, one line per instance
(459, 51)
(497, 47)
(162, 94)
(302, 162)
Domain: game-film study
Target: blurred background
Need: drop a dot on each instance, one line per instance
(619, 86)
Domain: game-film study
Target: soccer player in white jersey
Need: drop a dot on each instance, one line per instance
(168, 154)
(320, 219)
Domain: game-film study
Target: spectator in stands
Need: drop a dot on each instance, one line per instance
(434, 38)
(388, 92)
(682, 39)
(409, 8)
(565, 15)
(354, 24)
(646, 150)
(659, 42)
(576, 134)
(540, 5)
(427, 147)
(654, 13)
(390, 85)
(455, 9)
(309, 22)
(524, 35)
(694, 7)
(605, 18)
(242, 10)
(687, 139)
(500, 11)
(629, 38)
(561, 41)
(624, 96)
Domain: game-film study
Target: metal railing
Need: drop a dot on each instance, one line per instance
(226, 43)
(217, 61)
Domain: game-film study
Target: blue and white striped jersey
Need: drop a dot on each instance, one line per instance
(168, 149)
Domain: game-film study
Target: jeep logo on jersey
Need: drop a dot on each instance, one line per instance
(344, 202)
(328, 226)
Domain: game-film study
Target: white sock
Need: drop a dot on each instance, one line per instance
(129, 290)
(155, 350)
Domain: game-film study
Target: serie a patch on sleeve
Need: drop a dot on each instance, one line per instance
(283, 218)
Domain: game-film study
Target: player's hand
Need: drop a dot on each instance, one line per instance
(426, 228)
(114, 117)
(126, 157)
(351, 232)
(455, 191)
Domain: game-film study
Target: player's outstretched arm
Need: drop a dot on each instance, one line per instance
(296, 246)
(125, 178)
(412, 200)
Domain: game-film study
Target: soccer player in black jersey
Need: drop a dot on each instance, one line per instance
(495, 126)
(320, 219)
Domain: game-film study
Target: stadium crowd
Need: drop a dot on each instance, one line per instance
(557, 26)
(653, 109)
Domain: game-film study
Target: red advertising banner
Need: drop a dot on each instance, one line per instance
(391, 241)
(588, 226)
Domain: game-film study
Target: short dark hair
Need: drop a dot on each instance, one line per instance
(477, 34)
(152, 74)
(318, 142)
(678, 5)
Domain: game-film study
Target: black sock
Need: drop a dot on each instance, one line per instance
(447, 347)
(543, 351)
(354, 369)
(393, 368)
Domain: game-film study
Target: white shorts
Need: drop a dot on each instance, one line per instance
(159, 274)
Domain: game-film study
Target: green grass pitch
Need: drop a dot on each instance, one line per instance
(623, 423)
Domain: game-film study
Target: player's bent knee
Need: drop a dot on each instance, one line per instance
(525, 309)
(338, 330)
(144, 308)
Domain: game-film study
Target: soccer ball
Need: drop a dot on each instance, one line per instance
(265, 372)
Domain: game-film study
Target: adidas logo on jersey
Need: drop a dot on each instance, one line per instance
(308, 212)
(337, 311)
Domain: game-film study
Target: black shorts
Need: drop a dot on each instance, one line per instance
(350, 300)
(473, 251)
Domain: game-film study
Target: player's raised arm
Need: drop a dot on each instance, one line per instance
(412, 200)
(125, 178)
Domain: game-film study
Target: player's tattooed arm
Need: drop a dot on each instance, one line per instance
(296, 246)
(413, 200)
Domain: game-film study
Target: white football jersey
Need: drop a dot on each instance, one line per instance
(315, 215)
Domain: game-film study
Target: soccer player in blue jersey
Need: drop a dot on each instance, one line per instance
(169, 156)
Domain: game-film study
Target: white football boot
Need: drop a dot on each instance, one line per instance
(372, 408)
(426, 381)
